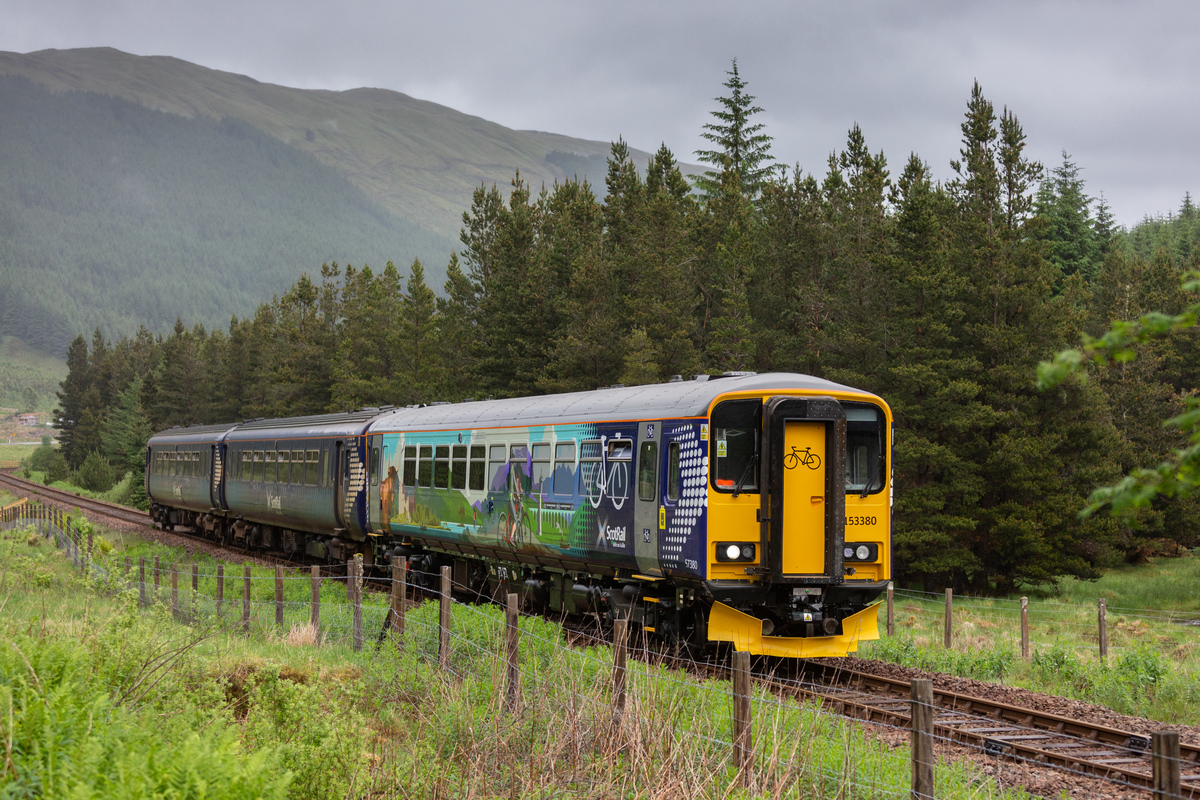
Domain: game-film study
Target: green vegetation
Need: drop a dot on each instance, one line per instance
(159, 216)
(101, 691)
(28, 377)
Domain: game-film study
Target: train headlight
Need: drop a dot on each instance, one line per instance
(735, 551)
(860, 552)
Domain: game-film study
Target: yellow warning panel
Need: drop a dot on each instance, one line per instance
(804, 498)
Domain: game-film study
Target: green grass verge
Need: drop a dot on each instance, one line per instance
(113, 700)
(1153, 664)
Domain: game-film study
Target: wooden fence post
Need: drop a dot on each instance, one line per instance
(1025, 628)
(922, 738)
(174, 591)
(127, 567)
(947, 637)
(1166, 766)
(142, 580)
(743, 742)
(89, 550)
(891, 627)
(620, 645)
(246, 599)
(220, 588)
(157, 574)
(278, 596)
(444, 620)
(354, 568)
(1103, 620)
(512, 697)
(195, 591)
(399, 590)
(314, 615)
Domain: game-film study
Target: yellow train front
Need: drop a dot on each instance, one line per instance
(748, 509)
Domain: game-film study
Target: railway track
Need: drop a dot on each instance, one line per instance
(996, 728)
(86, 504)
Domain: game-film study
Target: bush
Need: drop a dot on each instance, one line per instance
(96, 475)
(40, 458)
(57, 469)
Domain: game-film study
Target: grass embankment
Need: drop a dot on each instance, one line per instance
(1153, 664)
(111, 700)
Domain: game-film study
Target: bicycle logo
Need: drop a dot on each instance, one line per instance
(805, 457)
(607, 478)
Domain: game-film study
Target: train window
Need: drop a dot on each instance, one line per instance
(197, 472)
(496, 460)
(864, 449)
(478, 467)
(620, 450)
(374, 466)
(285, 466)
(441, 466)
(410, 466)
(171, 464)
(425, 467)
(589, 468)
(325, 468)
(564, 468)
(311, 463)
(648, 472)
(298, 466)
(674, 480)
(458, 467)
(258, 466)
(271, 465)
(246, 473)
(540, 479)
(736, 425)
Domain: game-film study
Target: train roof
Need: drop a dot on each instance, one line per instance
(673, 400)
(191, 434)
(350, 423)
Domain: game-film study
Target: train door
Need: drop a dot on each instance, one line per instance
(804, 509)
(804, 530)
(374, 483)
(339, 482)
(649, 515)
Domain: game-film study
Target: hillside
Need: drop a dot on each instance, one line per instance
(134, 190)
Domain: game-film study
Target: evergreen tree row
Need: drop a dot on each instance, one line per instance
(941, 298)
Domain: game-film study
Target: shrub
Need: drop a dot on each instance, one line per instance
(40, 458)
(96, 475)
(57, 469)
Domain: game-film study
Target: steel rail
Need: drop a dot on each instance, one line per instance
(111, 510)
(999, 729)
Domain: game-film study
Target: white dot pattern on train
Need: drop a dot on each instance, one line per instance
(693, 470)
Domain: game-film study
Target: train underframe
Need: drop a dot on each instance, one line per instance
(782, 619)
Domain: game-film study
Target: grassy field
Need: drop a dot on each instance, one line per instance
(1153, 664)
(116, 701)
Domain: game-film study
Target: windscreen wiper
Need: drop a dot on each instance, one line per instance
(745, 473)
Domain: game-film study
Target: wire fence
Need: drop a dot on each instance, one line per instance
(637, 705)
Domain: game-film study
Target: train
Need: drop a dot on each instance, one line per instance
(748, 509)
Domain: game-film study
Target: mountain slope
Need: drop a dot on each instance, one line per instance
(418, 159)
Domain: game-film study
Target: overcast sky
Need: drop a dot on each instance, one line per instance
(1113, 84)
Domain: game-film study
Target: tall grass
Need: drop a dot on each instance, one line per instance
(316, 719)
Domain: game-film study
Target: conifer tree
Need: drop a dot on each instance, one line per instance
(740, 144)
